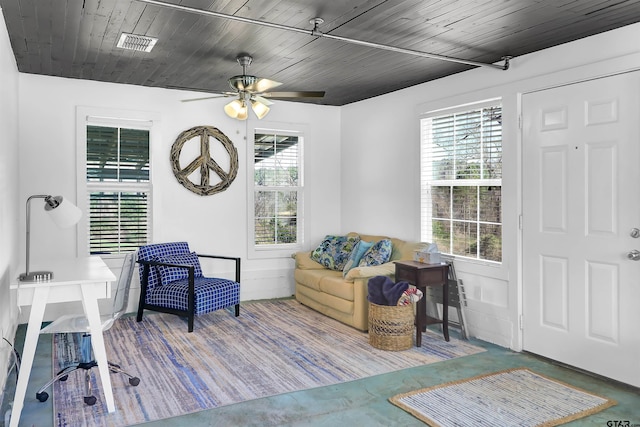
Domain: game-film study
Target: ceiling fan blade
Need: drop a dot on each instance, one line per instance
(262, 100)
(261, 85)
(220, 95)
(298, 94)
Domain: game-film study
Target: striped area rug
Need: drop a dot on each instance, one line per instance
(515, 397)
(273, 347)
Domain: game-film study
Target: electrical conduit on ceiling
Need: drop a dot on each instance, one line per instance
(317, 33)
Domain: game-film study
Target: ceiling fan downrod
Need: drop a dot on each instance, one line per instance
(244, 61)
(241, 82)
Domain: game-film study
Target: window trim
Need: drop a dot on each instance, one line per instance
(278, 250)
(87, 115)
(460, 108)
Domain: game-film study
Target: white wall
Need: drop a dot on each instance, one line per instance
(215, 224)
(380, 160)
(8, 192)
(361, 166)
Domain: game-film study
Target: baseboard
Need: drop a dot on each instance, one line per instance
(487, 327)
(267, 284)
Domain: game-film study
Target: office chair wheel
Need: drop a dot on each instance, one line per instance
(90, 400)
(42, 397)
(134, 381)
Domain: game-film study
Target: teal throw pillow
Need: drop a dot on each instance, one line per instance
(377, 254)
(356, 255)
(333, 252)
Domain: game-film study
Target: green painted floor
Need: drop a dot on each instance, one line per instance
(358, 403)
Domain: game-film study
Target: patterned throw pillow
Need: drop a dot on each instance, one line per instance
(171, 274)
(356, 255)
(333, 252)
(377, 254)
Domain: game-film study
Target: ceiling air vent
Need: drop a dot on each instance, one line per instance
(136, 42)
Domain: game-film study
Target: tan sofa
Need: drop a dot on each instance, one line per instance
(345, 299)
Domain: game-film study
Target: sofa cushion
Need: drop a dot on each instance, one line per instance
(333, 252)
(356, 255)
(337, 308)
(311, 278)
(377, 254)
(337, 287)
(369, 237)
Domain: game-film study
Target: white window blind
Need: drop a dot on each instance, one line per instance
(118, 188)
(461, 181)
(277, 188)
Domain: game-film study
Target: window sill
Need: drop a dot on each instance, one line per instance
(479, 267)
(273, 251)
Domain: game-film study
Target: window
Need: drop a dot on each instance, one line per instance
(277, 189)
(116, 185)
(461, 181)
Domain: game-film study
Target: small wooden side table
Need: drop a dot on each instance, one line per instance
(422, 275)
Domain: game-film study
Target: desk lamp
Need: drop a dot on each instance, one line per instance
(64, 214)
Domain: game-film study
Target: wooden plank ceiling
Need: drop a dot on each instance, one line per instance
(77, 39)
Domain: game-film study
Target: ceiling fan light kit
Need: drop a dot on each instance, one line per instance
(253, 90)
(248, 89)
(236, 109)
(243, 113)
(259, 109)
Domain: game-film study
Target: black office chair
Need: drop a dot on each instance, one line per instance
(78, 323)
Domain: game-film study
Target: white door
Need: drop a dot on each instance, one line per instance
(581, 201)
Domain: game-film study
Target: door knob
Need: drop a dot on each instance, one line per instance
(634, 255)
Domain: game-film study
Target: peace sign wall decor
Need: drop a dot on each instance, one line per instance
(204, 162)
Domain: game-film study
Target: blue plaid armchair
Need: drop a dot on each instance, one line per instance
(171, 281)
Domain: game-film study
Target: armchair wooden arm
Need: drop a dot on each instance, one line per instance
(236, 259)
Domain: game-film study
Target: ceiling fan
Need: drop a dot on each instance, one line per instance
(254, 91)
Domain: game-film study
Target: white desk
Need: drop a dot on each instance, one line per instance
(82, 279)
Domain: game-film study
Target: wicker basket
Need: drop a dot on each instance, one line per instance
(391, 327)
